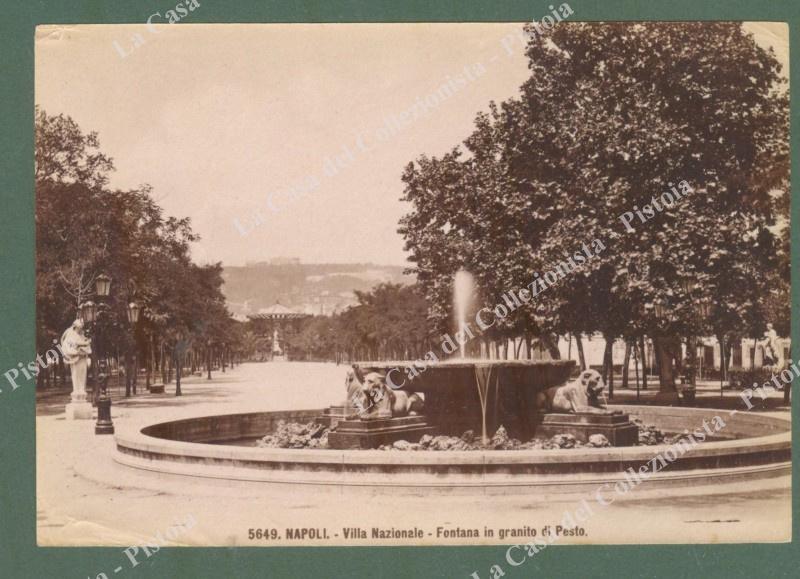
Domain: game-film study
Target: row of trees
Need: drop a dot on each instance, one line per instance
(389, 322)
(83, 228)
(612, 115)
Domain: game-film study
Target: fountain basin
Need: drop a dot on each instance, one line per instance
(759, 448)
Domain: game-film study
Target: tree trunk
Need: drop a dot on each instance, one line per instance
(607, 359)
(666, 376)
(643, 348)
(722, 356)
(552, 346)
(134, 371)
(691, 355)
(163, 362)
(127, 366)
(625, 363)
(148, 363)
(178, 364)
(611, 377)
(581, 355)
(728, 357)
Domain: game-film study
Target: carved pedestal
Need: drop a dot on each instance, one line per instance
(617, 428)
(333, 415)
(363, 434)
(79, 408)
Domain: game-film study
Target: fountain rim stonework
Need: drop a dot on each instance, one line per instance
(764, 452)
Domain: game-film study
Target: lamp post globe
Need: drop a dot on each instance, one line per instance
(88, 311)
(133, 312)
(103, 285)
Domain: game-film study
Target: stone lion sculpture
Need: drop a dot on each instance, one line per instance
(374, 399)
(579, 396)
(353, 386)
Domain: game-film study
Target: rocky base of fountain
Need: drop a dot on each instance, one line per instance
(314, 435)
(296, 435)
(500, 441)
(616, 428)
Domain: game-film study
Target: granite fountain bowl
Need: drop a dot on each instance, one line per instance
(460, 374)
(751, 447)
(453, 400)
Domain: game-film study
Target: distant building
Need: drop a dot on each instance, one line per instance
(274, 261)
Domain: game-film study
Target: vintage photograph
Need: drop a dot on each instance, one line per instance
(521, 284)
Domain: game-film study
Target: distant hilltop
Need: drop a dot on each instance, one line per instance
(311, 288)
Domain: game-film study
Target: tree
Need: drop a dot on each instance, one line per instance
(687, 119)
(390, 322)
(84, 228)
(64, 154)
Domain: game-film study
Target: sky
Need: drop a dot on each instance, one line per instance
(283, 140)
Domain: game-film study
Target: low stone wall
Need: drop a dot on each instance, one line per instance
(738, 424)
(224, 427)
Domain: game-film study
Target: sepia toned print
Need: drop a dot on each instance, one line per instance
(515, 284)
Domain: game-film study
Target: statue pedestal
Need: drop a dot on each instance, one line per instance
(365, 434)
(617, 428)
(79, 408)
(333, 415)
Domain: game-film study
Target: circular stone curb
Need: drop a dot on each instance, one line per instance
(759, 447)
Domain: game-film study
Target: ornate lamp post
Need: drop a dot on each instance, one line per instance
(132, 313)
(93, 314)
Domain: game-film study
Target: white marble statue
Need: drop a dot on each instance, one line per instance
(773, 352)
(77, 350)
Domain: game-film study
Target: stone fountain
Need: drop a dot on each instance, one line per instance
(529, 398)
(470, 394)
(461, 395)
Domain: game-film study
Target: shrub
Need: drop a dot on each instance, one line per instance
(744, 378)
